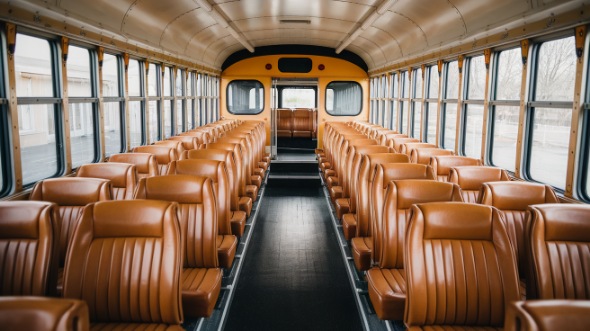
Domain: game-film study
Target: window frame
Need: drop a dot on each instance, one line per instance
(120, 99)
(7, 183)
(360, 98)
(262, 105)
(429, 101)
(413, 100)
(444, 104)
(466, 101)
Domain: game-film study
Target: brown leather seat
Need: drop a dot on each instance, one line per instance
(164, 155)
(442, 165)
(366, 251)
(362, 242)
(384, 138)
(43, 314)
(513, 200)
(122, 176)
(188, 142)
(244, 201)
(541, 315)
(340, 189)
(29, 243)
(203, 137)
(386, 281)
(251, 181)
(407, 148)
(558, 242)
(178, 145)
(145, 163)
(227, 243)
(126, 261)
(347, 206)
(423, 155)
(460, 268)
(396, 142)
(237, 216)
(302, 123)
(71, 194)
(284, 123)
(201, 276)
(471, 179)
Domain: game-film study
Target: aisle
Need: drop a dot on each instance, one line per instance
(293, 276)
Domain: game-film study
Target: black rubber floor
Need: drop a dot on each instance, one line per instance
(293, 276)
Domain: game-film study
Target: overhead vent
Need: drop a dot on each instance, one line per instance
(295, 21)
(295, 64)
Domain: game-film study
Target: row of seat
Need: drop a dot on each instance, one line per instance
(200, 193)
(375, 176)
(296, 123)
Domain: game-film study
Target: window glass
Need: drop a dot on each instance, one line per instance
(452, 81)
(178, 85)
(505, 117)
(167, 113)
(343, 98)
(112, 128)
(154, 120)
(450, 125)
(135, 123)
(82, 119)
(110, 76)
(153, 77)
(474, 112)
(179, 117)
(78, 67)
(549, 141)
(431, 105)
(417, 103)
(167, 81)
(133, 75)
(37, 125)
(190, 114)
(292, 97)
(244, 97)
(392, 102)
(449, 104)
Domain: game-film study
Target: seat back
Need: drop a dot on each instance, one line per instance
(471, 179)
(178, 145)
(359, 152)
(198, 214)
(235, 145)
(559, 250)
(367, 171)
(126, 261)
(302, 123)
(164, 155)
(460, 267)
(188, 142)
(383, 175)
(400, 195)
(284, 123)
(29, 238)
(396, 142)
(386, 137)
(442, 165)
(217, 172)
(122, 176)
(544, 315)
(145, 163)
(423, 155)
(513, 200)
(71, 194)
(406, 148)
(227, 156)
(346, 175)
(43, 314)
(203, 137)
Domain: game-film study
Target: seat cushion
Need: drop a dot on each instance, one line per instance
(349, 225)
(263, 165)
(362, 247)
(387, 290)
(226, 250)
(252, 192)
(331, 181)
(256, 180)
(238, 223)
(245, 205)
(200, 290)
(260, 173)
(342, 207)
(336, 193)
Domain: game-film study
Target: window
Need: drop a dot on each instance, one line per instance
(40, 106)
(200, 100)
(168, 102)
(449, 104)
(190, 102)
(393, 96)
(343, 98)
(505, 107)
(136, 79)
(374, 102)
(416, 114)
(112, 89)
(245, 97)
(550, 111)
(83, 105)
(154, 93)
(298, 97)
(473, 106)
(180, 88)
(404, 101)
(4, 128)
(431, 102)
(585, 174)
